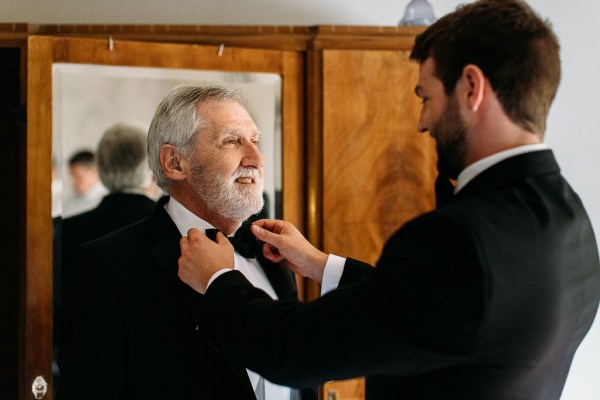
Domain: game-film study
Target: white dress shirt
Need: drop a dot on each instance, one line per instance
(478, 167)
(335, 264)
(252, 270)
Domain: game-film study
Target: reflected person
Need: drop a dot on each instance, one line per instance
(87, 190)
(486, 297)
(140, 333)
(122, 165)
(123, 169)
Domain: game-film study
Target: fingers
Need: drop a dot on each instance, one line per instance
(221, 238)
(265, 235)
(265, 223)
(201, 258)
(193, 234)
(183, 242)
(271, 253)
(272, 225)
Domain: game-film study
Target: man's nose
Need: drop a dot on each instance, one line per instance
(252, 156)
(421, 126)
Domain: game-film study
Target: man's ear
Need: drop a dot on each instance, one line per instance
(171, 162)
(472, 85)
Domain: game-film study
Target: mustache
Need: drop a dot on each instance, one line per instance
(246, 172)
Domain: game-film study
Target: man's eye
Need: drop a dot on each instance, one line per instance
(255, 142)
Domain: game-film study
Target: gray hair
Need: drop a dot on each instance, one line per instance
(177, 122)
(121, 158)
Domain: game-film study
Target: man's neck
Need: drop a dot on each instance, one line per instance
(192, 204)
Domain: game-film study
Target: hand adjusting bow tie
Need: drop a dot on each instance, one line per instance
(243, 241)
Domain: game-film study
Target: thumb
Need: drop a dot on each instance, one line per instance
(265, 235)
(220, 238)
(193, 233)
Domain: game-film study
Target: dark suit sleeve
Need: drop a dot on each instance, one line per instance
(353, 270)
(418, 310)
(92, 362)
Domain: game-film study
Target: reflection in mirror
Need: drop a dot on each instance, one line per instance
(89, 99)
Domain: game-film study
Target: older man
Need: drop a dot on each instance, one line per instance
(137, 331)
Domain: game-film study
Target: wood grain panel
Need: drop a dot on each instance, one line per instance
(294, 38)
(123, 52)
(293, 146)
(37, 318)
(378, 171)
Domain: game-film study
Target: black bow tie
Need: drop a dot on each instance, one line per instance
(243, 241)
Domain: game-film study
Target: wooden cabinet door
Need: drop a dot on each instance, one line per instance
(36, 240)
(377, 171)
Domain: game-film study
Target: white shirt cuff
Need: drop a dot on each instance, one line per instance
(334, 268)
(217, 274)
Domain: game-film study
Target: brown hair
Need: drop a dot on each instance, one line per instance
(516, 50)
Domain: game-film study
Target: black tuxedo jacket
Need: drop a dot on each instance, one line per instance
(135, 331)
(115, 211)
(487, 297)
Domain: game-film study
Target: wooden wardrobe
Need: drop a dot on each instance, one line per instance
(354, 166)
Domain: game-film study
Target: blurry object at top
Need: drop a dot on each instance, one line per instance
(418, 13)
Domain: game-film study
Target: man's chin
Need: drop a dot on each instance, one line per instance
(243, 209)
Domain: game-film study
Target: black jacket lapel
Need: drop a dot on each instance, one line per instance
(166, 252)
(282, 280)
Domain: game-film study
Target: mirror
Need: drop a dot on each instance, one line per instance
(88, 99)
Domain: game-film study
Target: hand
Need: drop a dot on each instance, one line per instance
(284, 243)
(201, 258)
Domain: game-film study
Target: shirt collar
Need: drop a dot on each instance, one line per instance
(184, 219)
(478, 167)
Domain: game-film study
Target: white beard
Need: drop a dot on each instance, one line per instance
(223, 195)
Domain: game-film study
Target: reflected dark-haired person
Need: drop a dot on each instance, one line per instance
(86, 189)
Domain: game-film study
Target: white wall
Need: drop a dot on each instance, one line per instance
(573, 118)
